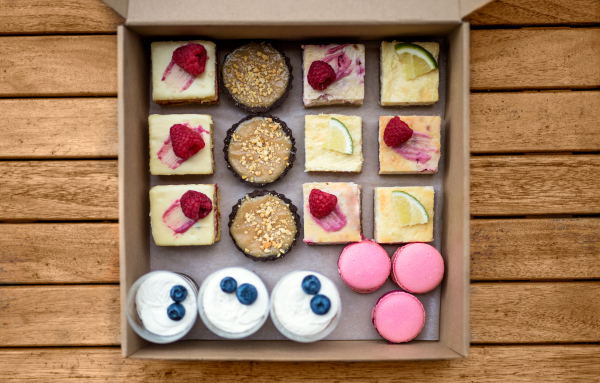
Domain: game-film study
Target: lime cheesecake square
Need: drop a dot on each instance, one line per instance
(387, 226)
(163, 160)
(316, 134)
(419, 155)
(348, 61)
(319, 231)
(165, 209)
(396, 89)
(171, 85)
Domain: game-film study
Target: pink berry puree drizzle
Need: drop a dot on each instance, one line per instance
(418, 148)
(341, 63)
(177, 78)
(334, 221)
(167, 156)
(176, 220)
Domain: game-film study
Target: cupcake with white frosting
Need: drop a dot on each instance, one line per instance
(233, 303)
(305, 306)
(162, 306)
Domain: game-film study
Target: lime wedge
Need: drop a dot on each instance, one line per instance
(409, 210)
(338, 137)
(416, 59)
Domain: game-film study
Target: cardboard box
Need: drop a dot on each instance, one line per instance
(274, 19)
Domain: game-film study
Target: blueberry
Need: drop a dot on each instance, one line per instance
(178, 293)
(246, 294)
(311, 285)
(228, 285)
(176, 311)
(320, 304)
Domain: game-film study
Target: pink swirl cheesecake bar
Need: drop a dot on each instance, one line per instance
(346, 85)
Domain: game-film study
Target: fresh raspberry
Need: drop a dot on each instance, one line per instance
(320, 75)
(396, 132)
(191, 58)
(321, 204)
(195, 205)
(186, 141)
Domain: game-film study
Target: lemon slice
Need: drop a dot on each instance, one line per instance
(409, 210)
(416, 59)
(338, 137)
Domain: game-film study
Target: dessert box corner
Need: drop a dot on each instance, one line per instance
(448, 337)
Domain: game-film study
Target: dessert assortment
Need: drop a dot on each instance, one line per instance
(264, 225)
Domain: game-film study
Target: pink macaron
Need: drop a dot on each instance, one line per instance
(398, 316)
(364, 266)
(417, 267)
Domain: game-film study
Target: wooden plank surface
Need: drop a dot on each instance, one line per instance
(512, 122)
(59, 253)
(486, 364)
(537, 184)
(58, 128)
(58, 66)
(500, 313)
(59, 315)
(58, 17)
(535, 59)
(530, 249)
(536, 12)
(58, 190)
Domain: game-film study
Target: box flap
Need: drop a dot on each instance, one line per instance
(273, 12)
(469, 6)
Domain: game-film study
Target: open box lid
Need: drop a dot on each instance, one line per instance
(277, 12)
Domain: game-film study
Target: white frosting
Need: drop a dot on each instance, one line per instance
(224, 310)
(292, 305)
(154, 297)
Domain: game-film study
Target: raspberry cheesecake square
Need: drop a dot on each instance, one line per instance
(419, 154)
(387, 225)
(181, 144)
(319, 158)
(184, 72)
(185, 215)
(396, 89)
(332, 213)
(333, 74)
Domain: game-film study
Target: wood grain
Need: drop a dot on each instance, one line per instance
(58, 190)
(530, 249)
(536, 12)
(535, 59)
(58, 128)
(531, 185)
(535, 122)
(61, 315)
(500, 313)
(535, 312)
(58, 66)
(59, 253)
(573, 364)
(59, 17)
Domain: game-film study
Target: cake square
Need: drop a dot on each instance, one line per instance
(319, 159)
(170, 227)
(172, 85)
(348, 62)
(420, 154)
(396, 89)
(386, 227)
(163, 160)
(322, 231)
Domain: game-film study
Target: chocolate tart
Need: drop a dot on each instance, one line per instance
(257, 77)
(259, 149)
(262, 224)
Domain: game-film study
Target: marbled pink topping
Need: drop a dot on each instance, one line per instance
(334, 221)
(339, 60)
(360, 70)
(176, 220)
(177, 78)
(335, 49)
(167, 156)
(417, 148)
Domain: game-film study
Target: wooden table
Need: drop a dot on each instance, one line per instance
(535, 203)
